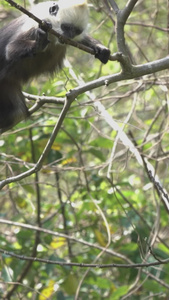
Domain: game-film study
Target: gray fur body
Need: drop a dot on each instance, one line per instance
(16, 59)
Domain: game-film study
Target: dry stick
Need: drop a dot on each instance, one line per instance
(87, 265)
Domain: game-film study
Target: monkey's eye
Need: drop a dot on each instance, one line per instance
(53, 10)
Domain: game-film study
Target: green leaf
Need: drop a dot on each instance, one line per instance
(120, 292)
(102, 142)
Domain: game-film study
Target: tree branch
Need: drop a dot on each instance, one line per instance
(122, 16)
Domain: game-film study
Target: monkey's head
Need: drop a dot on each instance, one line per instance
(68, 17)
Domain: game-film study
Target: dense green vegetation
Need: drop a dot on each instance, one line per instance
(95, 184)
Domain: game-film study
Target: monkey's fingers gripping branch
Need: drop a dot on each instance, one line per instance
(102, 53)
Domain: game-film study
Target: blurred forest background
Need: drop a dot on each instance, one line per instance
(94, 192)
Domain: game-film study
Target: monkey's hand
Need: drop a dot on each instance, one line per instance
(102, 53)
(46, 25)
(41, 40)
(27, 45)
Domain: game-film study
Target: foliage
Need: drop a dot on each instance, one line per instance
(91, 187)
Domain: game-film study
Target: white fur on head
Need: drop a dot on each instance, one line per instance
(41, 11)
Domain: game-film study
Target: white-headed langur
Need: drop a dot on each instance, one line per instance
(26, 51)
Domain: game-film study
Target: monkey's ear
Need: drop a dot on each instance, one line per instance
(102, 53)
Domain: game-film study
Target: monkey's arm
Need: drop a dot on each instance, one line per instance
(26, 44)
(101, 52)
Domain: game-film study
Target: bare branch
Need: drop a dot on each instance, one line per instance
(71, 238)
(114, 6)
(125, 13)
(46, 150)
(122, 16)
(85, 265)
